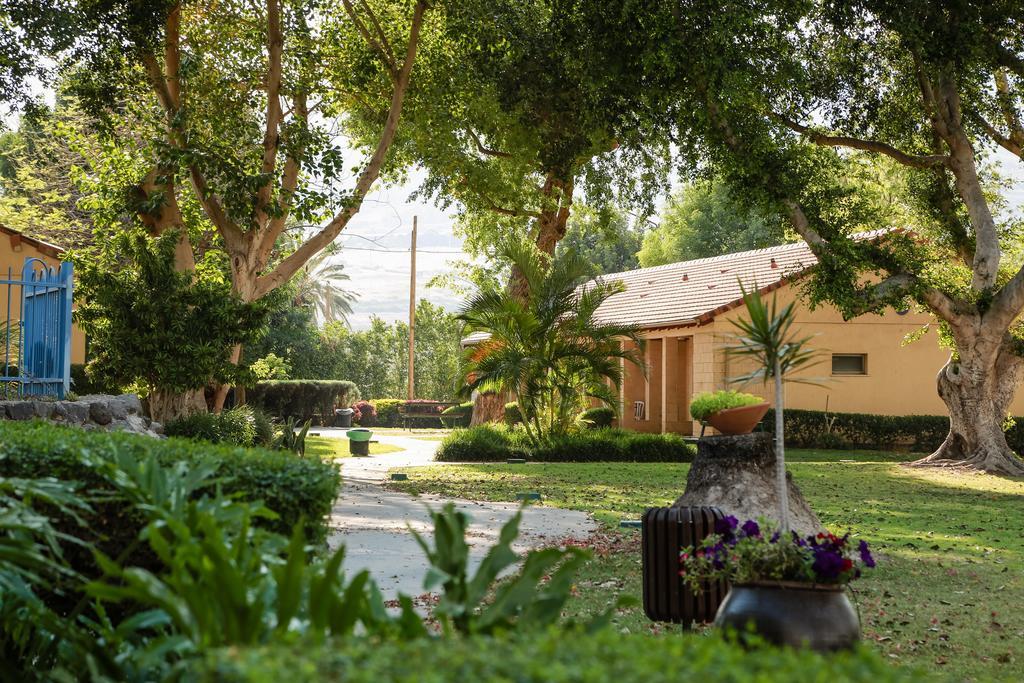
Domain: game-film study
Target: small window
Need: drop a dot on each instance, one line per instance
(849, 364)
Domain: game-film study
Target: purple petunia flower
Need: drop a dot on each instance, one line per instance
(751, 529)
(775, 537)
(865, 555)
(726, 525)
(828, 564)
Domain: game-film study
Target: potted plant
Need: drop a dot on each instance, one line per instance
(787, 588)
(730, 412)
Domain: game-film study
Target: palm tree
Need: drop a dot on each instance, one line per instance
(766, 337)
(547, 347)
(318, 284)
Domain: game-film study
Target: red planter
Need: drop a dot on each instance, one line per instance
(740, 420)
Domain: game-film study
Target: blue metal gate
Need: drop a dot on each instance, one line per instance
(35, 337)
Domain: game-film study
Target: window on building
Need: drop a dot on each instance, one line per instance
(849, 364)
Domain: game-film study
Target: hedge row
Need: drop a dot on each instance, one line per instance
(919, 433)
(388, 416)
(303, 399)
(606, 656)
(299, 490)
(494, 443)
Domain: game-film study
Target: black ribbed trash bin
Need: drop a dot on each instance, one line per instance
(666, 531)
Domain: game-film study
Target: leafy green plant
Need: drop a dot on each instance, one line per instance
(532, 599)
(703, 406)
(598, 418)
(457, 416)
(513, 415)
(292, 437)
(270, 366)
(546, 344)
(387, 411)
(766, 336)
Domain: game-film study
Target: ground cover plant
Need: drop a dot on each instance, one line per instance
(950, 545)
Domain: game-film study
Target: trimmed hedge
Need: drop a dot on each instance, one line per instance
(387, 411)
(920, 433)
(606, 656)
(302, 399)
(299, 490)
(494, 443)
(457, 416)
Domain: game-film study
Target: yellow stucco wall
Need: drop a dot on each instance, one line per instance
(900, 377)
(13, 256)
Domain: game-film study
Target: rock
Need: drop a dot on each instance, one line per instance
(156, 427)
(118, 408)
(43, 409)
(137, 423)
(60, 411)
(21, 410)
(77, 411)
(737, 474)
(132, 403)
(99, 412)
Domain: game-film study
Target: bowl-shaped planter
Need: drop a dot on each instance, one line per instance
(740, 420)
(816, 616)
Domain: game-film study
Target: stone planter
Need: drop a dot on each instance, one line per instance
(819, 617)
(740, 420)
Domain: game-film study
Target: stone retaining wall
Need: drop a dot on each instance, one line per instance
(95, 411)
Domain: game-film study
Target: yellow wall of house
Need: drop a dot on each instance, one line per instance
(900, 378)
(13, 257)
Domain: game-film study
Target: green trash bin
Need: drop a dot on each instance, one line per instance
(359, 441)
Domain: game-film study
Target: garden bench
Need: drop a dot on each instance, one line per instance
(419, 410)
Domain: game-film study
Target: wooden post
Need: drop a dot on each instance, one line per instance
(412, 312)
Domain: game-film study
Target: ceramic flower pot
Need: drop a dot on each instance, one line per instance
(740, 420)
(816, 616)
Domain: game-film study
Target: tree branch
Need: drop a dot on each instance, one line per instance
(380, 32)
(486, 150)
(1000, 139)
(291, 264)
(385, 53)
(915, 161)
(1009, 302)
(267, 236)
(275, 46)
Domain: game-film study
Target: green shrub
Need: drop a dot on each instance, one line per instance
(494, 443)
(457, 416)
(236, 427)
(387, 411)
(606, 656)
(919, 433)
(266, 433)
(296, 489)
(596, 418)
(513, 415)
(82, 385)
(303, 399)
(703, 406)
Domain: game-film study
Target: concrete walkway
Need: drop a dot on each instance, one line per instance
(373, 523)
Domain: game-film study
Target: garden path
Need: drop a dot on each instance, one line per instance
(373, 522)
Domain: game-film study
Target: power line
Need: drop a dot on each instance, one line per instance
(401, 251)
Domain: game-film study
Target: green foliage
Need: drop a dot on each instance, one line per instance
(533, 599)
(513, 415)
(292, 437)
(598, 418)
(138, 337)
(706, 219)
(606, 656)
(702, 406)
(303, 399)
(457, 416)
(236, 426)
(83, 384)
(298, 490)
(495, 443)
(270, 366)
(387, 411)
(765, 337)
(548, 349)
(604, 239)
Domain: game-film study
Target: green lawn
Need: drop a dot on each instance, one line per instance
(950, 582)
(330, 448)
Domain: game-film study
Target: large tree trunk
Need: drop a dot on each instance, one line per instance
(165, 405)
(489, 406)
(977, 390)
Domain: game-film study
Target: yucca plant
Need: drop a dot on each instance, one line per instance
(766, 336)
(548, 347)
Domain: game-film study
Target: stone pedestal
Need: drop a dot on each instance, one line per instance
(737, 474)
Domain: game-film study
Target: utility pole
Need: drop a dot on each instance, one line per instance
(412, 311)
